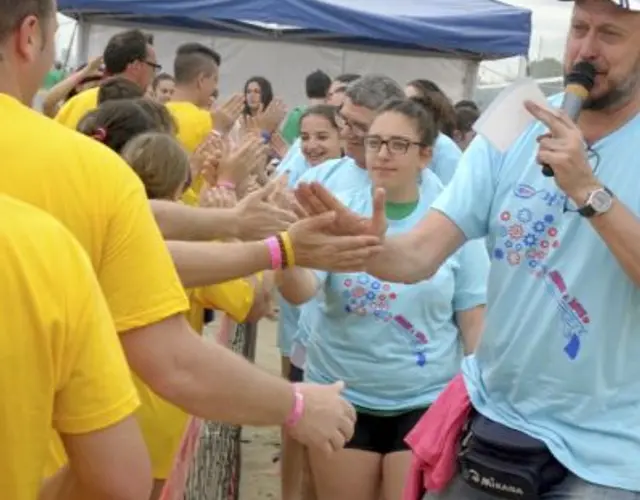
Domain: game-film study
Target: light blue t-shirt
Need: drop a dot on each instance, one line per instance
(294, 163)
(344, 174)
(446, 156)
(559, 358)
(341, 174)
(395, 346)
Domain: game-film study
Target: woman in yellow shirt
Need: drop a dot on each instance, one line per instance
(163, 165)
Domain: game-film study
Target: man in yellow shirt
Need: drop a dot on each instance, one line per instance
(95, 194)
(196, 70)
(62, 364)
(129, 54)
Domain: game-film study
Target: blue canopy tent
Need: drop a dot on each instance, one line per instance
(486, 28)
(284, 40)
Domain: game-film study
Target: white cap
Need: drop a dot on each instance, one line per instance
(624, 4)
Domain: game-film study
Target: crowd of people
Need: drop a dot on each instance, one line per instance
(452, 323)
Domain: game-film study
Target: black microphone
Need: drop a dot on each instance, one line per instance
(578, 85)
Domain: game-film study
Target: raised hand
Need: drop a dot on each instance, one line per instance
(226, 115)
(278, 145)
(216, 197)
(235, 166)
(206, 158)
(94, 66)
(315, 199)
(328, 420)
(316, 245)
(269, 120)
(258, 218)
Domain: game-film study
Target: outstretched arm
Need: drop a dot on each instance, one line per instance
(406, 258)
(418, 254)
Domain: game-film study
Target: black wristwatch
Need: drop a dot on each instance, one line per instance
(598, 202)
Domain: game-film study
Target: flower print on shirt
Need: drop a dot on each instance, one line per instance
(365, 295)
(528, 234)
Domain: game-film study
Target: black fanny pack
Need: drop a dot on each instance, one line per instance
(506, 463)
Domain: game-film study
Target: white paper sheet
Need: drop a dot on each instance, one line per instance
(506, 117)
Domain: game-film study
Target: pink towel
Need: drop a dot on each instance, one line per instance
(434, 441)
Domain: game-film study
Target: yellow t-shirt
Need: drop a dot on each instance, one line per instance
(163, 424)
(97, 196)
(234, 298)
(77, 107)
(60, 357)
(194, 125)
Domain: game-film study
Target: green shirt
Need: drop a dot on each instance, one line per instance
(53, 77)
(291, 128)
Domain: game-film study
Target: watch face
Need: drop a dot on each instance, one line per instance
(601, 201)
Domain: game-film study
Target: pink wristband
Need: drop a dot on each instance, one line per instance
(227, 185)
(275, 252)
(298, 408)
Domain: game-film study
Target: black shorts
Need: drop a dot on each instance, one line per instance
(383, 435)
(296, 375)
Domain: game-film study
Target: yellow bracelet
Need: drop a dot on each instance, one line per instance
(288, 249)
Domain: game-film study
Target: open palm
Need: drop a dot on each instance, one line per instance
(315, 199)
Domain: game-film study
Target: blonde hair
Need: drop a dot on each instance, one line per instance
(161, 163)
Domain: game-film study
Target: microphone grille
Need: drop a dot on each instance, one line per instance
(584, 74)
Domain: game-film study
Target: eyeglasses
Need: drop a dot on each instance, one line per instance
(357, 128)
(395, 145)
(156, 67)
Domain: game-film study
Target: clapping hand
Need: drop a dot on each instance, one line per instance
(315, 199)
(235, 166)
(257, 217)
(217, 197)
(226, 115)
(317, 246)
(278, 145)
(269, 119)
(206, 158)
(94, 67)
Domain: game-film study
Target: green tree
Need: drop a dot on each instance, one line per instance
(545, 68)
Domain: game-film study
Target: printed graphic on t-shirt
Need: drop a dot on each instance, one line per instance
(528, 234)
(365, 295)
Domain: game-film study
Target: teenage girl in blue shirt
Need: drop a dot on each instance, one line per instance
(395, 346)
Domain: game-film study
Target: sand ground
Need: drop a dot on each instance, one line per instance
(260, 479)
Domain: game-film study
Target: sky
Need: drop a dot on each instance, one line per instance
(550, 24)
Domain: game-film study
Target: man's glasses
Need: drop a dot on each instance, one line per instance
(359, 129)
(156, 67)
(395, 145)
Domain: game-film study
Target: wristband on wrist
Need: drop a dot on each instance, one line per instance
(298, 408)
(226, 185)
(283, 252)
(275, 252)
(288, 249)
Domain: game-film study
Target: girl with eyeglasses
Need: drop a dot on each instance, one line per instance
(395, 346)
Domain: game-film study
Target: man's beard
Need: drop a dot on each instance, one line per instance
(617, 97)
